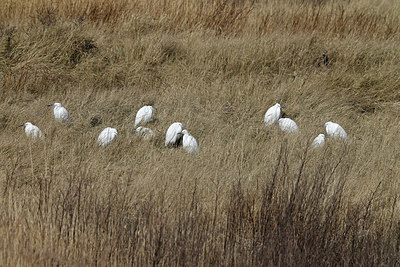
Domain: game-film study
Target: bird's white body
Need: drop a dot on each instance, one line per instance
(319, 141)
(174, 133)
(288, 125)
(32, 131)
(145, 133)
(335, 130)
(272, 115)
(144, 114)
(189, 143)
(60, 113)
(106, 136)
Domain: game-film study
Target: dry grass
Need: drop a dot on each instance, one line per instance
(251, 196)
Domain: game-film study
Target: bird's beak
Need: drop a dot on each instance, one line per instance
(21, 125)
(322, 125)
(283, 107)
(326, 136)
(155, 108)
(50, 105)
(133, 131)
(184, 125)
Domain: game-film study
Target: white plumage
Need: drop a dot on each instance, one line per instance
(288, 125)
(335, 130)
(32, 130)
(174, 134)
(60, 113)
(273, 114)
(145, 133)
(144, 114)
(189, 143)
(106, 136)
(319, 141)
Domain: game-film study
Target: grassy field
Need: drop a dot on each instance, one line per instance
(252, 195)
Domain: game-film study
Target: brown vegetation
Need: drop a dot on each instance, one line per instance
(251, 196)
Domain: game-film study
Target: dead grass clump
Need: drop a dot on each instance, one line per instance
(81, 47)
(162, 49)
(46, 15)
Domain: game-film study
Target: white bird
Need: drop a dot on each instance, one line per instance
(144, 114)
(189, 143)
(319, 141)
(273, 114)
(60, 113)
(288, 125)
(106, 136)
(335, 130)
(145, 133)
(32, 130)
(174, 134)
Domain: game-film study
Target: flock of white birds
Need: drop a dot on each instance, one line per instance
(177, 136)
(287, 125)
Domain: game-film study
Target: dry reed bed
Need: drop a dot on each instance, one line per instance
(328, 18)
(252, 196)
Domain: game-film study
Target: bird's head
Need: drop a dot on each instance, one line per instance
(25, 124)
(184, 132)
(180, 124)
(326, 124)
(55, 105)
(279, 105)
(137, 129)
